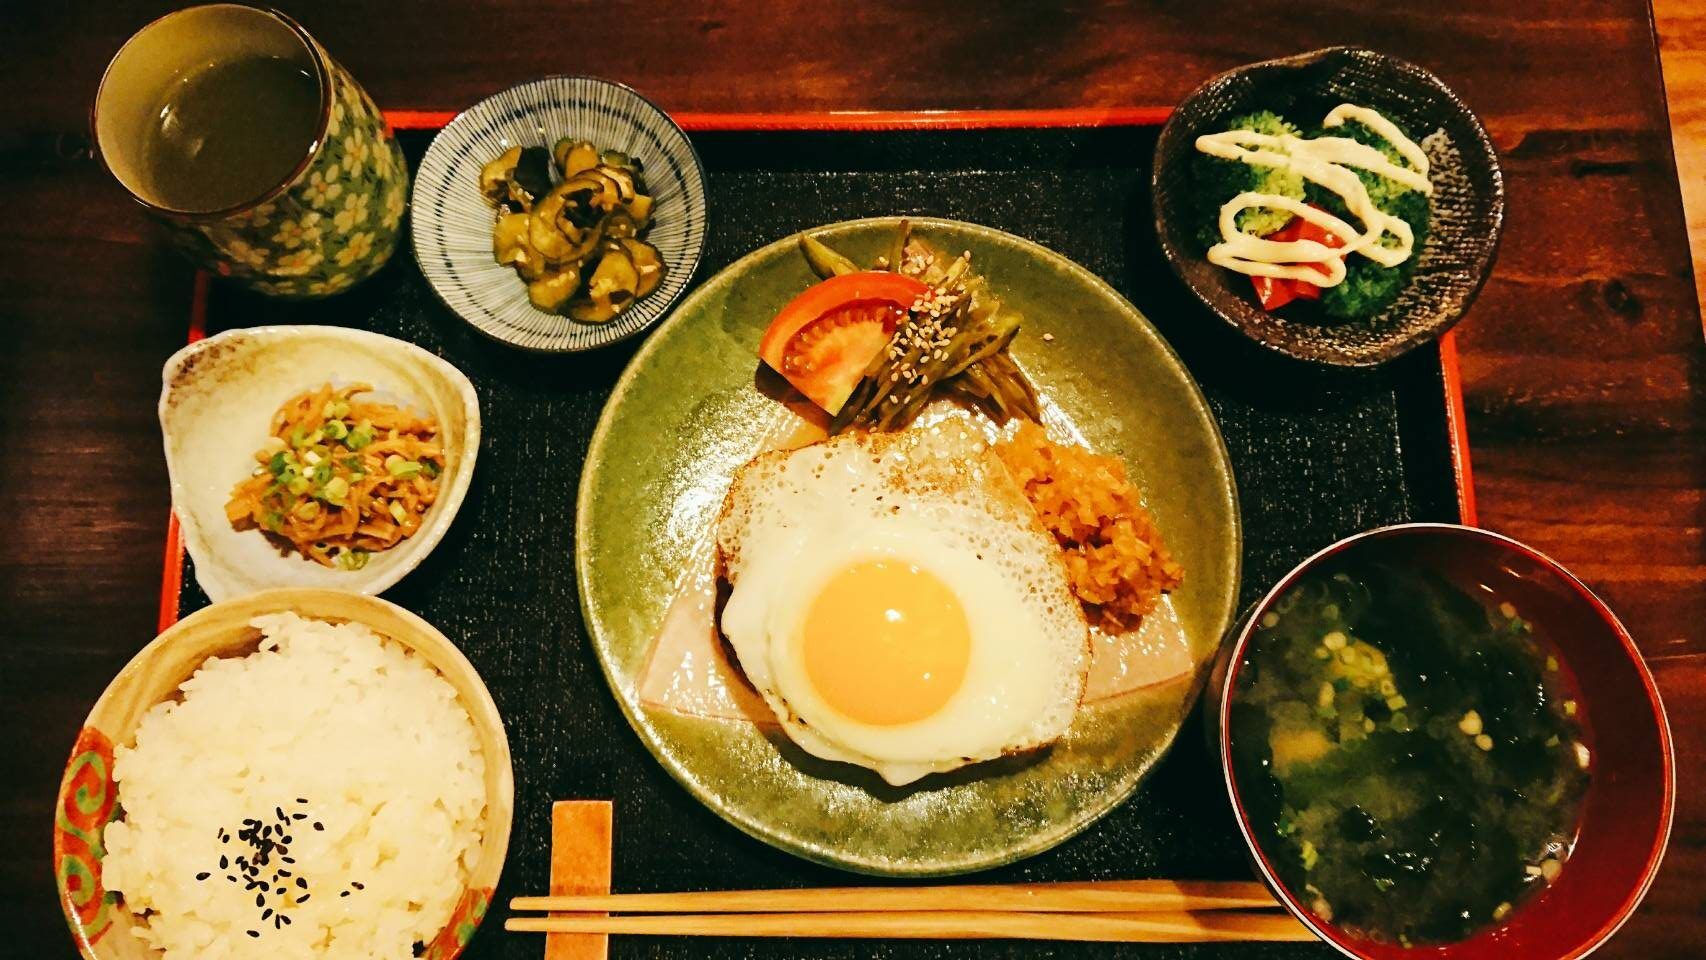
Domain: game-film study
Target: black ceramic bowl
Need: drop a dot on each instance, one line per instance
(1468, 200)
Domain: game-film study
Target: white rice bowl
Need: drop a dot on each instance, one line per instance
(326, 724)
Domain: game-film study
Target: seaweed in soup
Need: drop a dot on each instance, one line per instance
(1411, 760)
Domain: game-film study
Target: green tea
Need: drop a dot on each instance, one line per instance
(1411, 760)
(230, 133)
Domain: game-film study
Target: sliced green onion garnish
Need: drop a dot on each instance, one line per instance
(359, 437)
(397, 512)
(277, 464)
(337, 488)
(352, 559)
(298, 485)
(401, 468)
(430, 469)
(335, 429)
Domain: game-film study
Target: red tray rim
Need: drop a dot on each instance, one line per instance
(171, 582)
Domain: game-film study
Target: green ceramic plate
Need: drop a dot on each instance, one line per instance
(685, 415)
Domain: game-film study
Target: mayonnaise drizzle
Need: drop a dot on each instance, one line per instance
(1327, 161)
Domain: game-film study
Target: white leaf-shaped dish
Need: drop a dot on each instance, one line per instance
(217, 400)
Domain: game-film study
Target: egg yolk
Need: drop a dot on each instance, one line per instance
(885, 643)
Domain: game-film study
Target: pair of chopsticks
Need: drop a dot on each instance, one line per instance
(1133, 911)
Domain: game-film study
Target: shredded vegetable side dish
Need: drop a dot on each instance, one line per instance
(340, 478)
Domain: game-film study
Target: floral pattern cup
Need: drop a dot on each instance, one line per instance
(333, 221)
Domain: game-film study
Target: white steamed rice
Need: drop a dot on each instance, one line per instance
(367, 733)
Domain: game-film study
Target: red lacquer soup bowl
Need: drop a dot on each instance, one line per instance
(1626, 812)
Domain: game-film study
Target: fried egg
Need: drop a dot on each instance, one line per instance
(897, 604)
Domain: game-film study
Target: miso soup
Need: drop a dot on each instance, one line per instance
(1411, 757)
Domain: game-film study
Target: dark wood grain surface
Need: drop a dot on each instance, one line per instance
(1583, 359)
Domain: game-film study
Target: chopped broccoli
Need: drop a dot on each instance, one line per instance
(1219, 180)
(1366, 290)
(1368, 287)
(1381, 190)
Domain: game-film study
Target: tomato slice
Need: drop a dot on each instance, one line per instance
(823, 340)
(1273, 292)
(1301, 229)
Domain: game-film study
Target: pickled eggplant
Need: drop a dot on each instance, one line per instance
(573, 156)
(518, 177)
(551, 292)
(646, 262)
(614, 284)
(576, 243)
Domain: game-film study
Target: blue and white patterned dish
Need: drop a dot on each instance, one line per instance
(453, 222)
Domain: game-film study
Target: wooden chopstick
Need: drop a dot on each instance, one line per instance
(1156, 927)
(1108, 896)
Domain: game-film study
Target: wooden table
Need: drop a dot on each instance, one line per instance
(1583, 358)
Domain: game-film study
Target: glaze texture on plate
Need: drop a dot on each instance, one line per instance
(1468, 200)
(686, 414)
(452, 221)
(217, 401)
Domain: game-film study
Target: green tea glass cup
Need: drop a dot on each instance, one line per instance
(329, 223)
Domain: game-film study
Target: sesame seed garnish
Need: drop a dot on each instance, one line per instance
(203, 875)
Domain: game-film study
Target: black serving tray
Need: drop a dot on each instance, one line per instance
(1318, 454)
